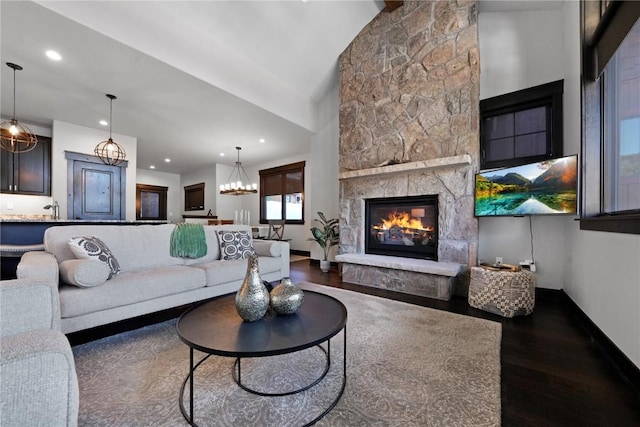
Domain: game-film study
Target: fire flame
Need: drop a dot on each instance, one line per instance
(402, 220)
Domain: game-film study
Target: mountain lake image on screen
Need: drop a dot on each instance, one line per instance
(548, 187)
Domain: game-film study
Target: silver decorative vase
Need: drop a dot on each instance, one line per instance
(252, 299)
(286, 298)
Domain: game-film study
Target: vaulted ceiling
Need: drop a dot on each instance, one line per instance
(193, 78)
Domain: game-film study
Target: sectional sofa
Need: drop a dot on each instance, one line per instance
(149, 279)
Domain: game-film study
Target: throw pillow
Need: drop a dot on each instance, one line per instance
(268, 248)
(84, 273)
(235, 244)
(90, 247)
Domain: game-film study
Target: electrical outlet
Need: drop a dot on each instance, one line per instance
(498, 260)
(532, 267)
(9, 206)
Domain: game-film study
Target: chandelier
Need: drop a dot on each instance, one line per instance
(14, 136)
(234, 184)
(109, 151)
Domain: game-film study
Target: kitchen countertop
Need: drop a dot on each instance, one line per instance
(48, 219)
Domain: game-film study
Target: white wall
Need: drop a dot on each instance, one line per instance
(208, 176)
(520, 50)
(599, 271)
(603, 278)
(175, 198)
(324, 171)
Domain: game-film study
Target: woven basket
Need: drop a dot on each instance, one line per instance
(505, 293)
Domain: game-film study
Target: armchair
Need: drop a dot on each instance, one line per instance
(38, 385)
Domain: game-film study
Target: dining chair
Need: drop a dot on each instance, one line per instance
(276, 230)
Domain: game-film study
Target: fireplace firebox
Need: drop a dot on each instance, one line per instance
(402, 226)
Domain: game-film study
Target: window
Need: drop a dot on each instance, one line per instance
(282, 193)
(611, 117)
(622, 126)
(521, 127)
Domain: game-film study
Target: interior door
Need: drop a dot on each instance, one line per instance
(97, 191)
(151, 202)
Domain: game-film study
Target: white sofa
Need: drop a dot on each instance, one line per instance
(150, 279)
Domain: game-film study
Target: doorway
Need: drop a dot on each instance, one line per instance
(95, 191)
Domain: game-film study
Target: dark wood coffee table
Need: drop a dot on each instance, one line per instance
(215, 328)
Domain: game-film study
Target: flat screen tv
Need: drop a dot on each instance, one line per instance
(548, 187)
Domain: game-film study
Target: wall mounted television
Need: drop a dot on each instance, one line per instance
(548, 187)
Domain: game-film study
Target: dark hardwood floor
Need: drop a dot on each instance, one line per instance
(552, 372)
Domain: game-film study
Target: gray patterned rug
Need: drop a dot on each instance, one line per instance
(406, 366)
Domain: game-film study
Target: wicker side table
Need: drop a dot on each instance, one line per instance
(507, 293)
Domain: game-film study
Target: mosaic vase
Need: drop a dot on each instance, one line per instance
(286, 298)
(252, 299)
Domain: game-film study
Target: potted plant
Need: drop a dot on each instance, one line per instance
(327, 235)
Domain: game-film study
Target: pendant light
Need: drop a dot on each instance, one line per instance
(109, 151)
(14, 136)
(234, 184)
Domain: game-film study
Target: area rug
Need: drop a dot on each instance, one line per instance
(406, 366)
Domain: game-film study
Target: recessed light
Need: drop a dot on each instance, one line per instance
(152, 167)
(104, 122)
(167, 160)
(52, 54)
(261, 140)
(221, 154)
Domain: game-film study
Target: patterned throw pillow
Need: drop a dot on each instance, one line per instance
(235, 244)
(93, 248)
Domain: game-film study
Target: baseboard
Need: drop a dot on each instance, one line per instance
(312, 261)
(629, 372)
(301, 253)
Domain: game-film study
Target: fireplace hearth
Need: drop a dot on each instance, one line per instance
(402, 226)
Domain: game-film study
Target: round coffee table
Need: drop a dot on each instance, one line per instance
(215, 328)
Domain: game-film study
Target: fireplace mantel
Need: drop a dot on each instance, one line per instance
(453, 161)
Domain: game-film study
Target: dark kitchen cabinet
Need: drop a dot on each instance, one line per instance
(27, 173)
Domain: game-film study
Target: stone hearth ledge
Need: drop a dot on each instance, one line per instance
(450, 269)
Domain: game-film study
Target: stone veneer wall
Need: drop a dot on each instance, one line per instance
(409, 91)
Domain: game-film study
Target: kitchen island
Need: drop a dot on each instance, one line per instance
(23, 233)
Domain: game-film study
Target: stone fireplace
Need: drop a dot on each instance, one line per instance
(409, 95)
